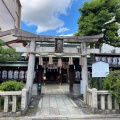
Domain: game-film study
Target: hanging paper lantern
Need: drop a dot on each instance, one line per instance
(59, 62)
(50, 61)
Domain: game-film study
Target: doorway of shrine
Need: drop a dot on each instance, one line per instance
(52, 75)
(56, 76)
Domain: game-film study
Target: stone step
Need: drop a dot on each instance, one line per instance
(80, 117)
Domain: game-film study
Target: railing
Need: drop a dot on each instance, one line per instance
(101, 100)
(14, 101)
(10, 100)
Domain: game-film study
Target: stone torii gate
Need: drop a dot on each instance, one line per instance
(23, 37)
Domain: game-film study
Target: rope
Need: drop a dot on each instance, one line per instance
(52, 53)
(40, 61)
(50, 61)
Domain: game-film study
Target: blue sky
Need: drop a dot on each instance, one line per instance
(50, 17)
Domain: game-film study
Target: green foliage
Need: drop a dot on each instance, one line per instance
(94, 83)
(8, 54)
(112, 83)
(94, 15)
(11, 86)
(1, 43)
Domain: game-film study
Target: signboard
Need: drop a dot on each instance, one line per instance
(100, 69)
(58, 45)
(77, 76)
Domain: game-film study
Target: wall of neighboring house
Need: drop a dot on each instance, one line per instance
(109, 49)
(10, 14)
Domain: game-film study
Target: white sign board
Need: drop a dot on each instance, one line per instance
(100, 69)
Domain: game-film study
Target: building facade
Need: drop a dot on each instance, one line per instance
(10, 14)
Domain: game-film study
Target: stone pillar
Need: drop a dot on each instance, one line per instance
(6, 104)
(31, 65)
(24, 102)
(109, 102)
(102, 102)
(94, 100)
(84, 71)
(14, 102)
(116, 104)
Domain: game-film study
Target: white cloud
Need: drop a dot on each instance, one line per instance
(61, 30)
(44, 13)
(66, 35)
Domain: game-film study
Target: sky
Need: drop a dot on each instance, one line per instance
(50, 17)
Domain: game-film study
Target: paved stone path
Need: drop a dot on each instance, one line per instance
(55, 101)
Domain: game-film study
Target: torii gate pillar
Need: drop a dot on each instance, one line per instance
(84, 70)
(31, 65)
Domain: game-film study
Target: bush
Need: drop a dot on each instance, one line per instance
(112, 83)
(94, 83)
(11, 86)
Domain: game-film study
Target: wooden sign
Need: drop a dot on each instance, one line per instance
(59, 45)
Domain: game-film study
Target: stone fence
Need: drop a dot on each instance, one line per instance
(14, 101)
(101, 101)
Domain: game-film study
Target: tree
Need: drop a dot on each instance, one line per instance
(8, 54)
(112, 83)
(100, 16)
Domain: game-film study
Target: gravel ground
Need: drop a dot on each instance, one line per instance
(33, 105)
(85, 108)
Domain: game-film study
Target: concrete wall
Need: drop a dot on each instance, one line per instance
(109, 49)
